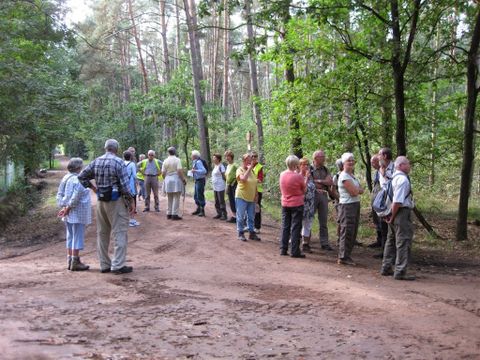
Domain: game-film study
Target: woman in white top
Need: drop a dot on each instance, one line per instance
(349, 190)
(174, 183)
(219, 186)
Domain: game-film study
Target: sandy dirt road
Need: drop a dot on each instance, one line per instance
(196, 292)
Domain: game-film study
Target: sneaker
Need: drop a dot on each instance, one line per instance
(176, 217)
(327, 247)
(241, 237)
(378, 256)
(157, 210)
(169, 216)
(136, 223)
(257, 231)
(232, 220)
(298, 256)
(375, 245)
(130, 224)
(146, 210)
(123, 270)
(218, 216)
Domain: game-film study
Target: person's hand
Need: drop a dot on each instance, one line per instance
(184, 181)
(388, 219)
(94, 188)
(63, 212)
(131, 207)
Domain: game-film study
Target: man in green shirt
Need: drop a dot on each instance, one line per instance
(230, 177)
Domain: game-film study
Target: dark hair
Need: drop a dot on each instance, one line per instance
(387, 153)
(171, 150)
(127, 155)
(218, 156)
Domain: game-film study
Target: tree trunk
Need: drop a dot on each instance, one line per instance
(163, 26)
(226, 57)
(139, 47)
(177, 34)
(255, 96)
(399, 66)
(469, 133)
(197, 77)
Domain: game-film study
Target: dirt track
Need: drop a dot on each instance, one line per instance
(198, 293)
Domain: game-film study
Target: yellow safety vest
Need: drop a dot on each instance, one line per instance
(256, 170)
(143, 166)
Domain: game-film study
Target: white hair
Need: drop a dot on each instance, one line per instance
(151, 152)
(347, 156)
(400, 160)
(196, 153)
(292, 162)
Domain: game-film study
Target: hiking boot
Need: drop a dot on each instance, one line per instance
(346, 261)
(241, 237)
(378, 256)
(123, 270)
(176, 217)
(253, 236)
(77, 265)
(196, 212)
(169, 216)
(404, 277)
(375, 245)
(146, 210)
(218, 216)
(298, 256)
(306, 248)
(224, 216)
(386, 272)
(232, 220)
(69, 262)
(202, 211)
(327, 247)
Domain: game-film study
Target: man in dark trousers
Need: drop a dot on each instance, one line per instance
(115, 202)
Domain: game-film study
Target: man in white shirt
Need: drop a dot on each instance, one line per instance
(400, 235)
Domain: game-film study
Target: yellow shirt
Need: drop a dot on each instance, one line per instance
(246, 189)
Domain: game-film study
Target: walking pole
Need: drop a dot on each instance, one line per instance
(183, 202)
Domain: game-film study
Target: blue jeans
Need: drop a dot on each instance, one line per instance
(199, 195)
(291, 227)
(244, 208)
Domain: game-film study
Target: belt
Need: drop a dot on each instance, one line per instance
(151, 175)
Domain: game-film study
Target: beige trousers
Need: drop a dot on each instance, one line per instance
(112, 221)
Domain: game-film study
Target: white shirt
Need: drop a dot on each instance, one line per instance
(218, 183)
(390, 169)
(345, 197)
(402, 192)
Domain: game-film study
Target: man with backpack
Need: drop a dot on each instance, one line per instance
(400, 233)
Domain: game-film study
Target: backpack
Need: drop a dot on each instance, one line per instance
(205, 165)
(382, 204)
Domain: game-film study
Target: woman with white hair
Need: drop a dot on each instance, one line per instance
(292, 187)
(349, 189)
(76, 211)
(174, 183)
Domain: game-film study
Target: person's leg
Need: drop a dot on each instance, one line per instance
(352, 215)
(322, 221)
(250, 216)
(148, 189)
(216, 195)
(223, 206)
(175, 202)
(201, 196)
(231, 198)
(389, 252)
(155, 186)
(307, 233)
(342, 251)
(118, 214)
(69, 242)
(241, 206)
(297, 216)
(170, 197)
(103, 235)
(78, 236)
(403, 235)
(258, 212)
(286, 230)
(142, 188)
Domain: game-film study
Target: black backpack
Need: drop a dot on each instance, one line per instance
(205, 164)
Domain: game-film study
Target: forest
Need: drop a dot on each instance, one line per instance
(280, 76)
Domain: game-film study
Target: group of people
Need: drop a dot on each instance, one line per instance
(306, 190)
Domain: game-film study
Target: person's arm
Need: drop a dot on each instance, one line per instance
(352, 189)
(244, 177)
(199, 168)
(86, 175)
